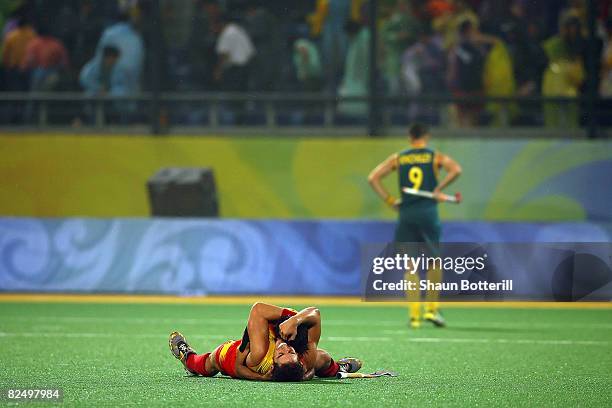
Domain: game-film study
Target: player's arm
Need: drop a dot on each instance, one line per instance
(243, 371)
(310, 317)
(257, 326)
(452, 169)
(375, 179)
(309, 375)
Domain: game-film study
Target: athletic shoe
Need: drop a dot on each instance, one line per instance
(414, 323)
(435, 318)
(349, 364)
(181, 349)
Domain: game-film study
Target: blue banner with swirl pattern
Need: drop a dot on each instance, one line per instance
(202, 256)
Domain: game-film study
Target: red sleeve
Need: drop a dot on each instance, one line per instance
(288, 312)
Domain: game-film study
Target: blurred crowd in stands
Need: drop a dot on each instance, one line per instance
(462, 48)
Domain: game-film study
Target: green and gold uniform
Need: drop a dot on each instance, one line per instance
(418, 216)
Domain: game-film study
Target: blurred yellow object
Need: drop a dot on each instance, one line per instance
(498, 80)
(316, 19)
(562, 78)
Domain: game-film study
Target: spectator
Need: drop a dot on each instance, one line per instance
(15, 11)
(528, 64)
(234, 52)
(356, 70)
(307, 62)
(565, 72)
(498, 81)
(334, 41)
(423, 73)
(201, 43)
(398, 33)
(106, 76)
(465, 73)
(528, 56)
(88, 27)
(124, 37)
(45, 62)
(263, 29)
(448, 23)
(13, 54)
(45, 59)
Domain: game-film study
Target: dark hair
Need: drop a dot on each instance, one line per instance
(123, 16)
(290, 372)
(418, 130)
(22, 21)
(110, 51)
(465, 26)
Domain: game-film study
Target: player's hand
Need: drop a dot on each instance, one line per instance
(393, 202)
(288, 329)
(438, 196)
(267, 376)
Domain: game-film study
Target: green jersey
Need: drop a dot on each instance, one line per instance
(417, 169)
(418, 216)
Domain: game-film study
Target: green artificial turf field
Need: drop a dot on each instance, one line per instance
(117, 354)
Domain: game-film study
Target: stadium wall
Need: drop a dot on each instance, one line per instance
(204, 256)
(258, 177)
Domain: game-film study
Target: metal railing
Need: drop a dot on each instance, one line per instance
(272, 103)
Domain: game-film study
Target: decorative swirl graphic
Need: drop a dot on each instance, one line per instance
(24, 253)
(524, 191)
(235, 257)
(200, 257)
(87, 249)
(44, 255)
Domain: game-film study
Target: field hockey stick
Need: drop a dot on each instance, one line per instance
(376, 374)
(455, 199)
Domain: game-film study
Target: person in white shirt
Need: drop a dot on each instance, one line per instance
(235, 50)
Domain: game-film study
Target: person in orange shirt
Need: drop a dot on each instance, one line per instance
(44, 59)
(13, 54)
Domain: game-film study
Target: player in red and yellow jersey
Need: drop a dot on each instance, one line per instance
(226, 359)
(279, 344)
(302, 332)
